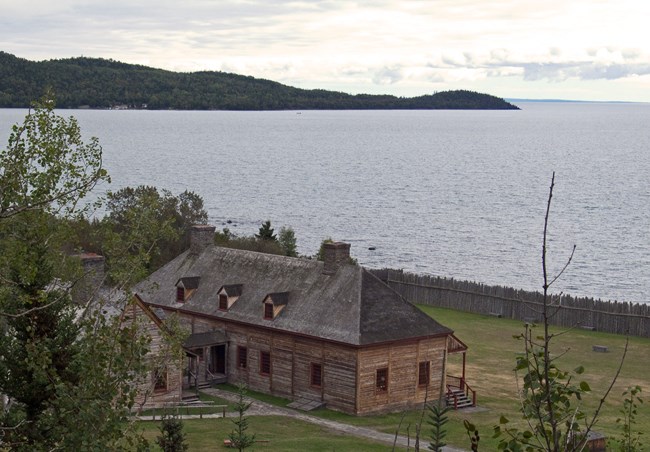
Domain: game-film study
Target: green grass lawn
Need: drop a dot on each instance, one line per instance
(491, 358)
(490, 362)
(276, 434)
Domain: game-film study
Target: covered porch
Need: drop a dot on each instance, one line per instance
(207, 359)
(459, 393)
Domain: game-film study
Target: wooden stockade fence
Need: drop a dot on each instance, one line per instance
(607, 316)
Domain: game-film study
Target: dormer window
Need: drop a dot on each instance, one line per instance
(228, 295)
(223, 302)
(185, 287)
(274, 303)
(268, 311)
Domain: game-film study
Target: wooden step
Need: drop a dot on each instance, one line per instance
(462, 401)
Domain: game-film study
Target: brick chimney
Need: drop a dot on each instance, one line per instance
(201, 236)
(92, 279)
(335, 254)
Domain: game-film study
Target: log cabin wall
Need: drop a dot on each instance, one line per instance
(291, 363)
(401, 362)
(147, 393)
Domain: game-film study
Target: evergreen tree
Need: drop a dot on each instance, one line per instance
(266, 232)
(172, 437)
(238, 437)
(287, 239)
(67, 370)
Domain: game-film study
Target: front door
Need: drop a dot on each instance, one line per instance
(218, 359)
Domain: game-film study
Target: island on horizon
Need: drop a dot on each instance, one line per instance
(102, 84)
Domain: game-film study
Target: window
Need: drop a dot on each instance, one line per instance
(180, 294)
(265, 363)
(424, 373)
(242, 357)
(223, 302)
(381, 383)
(160, 380)
(316, 375)
(268, 310)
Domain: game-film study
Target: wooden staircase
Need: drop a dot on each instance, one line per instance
(458, 399)
(459, 393)
(210, 380)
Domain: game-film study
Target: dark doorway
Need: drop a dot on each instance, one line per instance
(218, 359)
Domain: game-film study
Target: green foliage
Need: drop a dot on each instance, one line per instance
(172, 437)
(550, 401)
(238, 437)
(550, 398)
(320, 256)
(46, 165)
(287, 239)
(263, 242)
(144, 229)
(99, 83)
(631, 440)
(67, 370)
(437, 419)
(266, 232)
(472, 434)
(69, 377)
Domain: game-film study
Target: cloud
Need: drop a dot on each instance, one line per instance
(415, 45)
(388, 75)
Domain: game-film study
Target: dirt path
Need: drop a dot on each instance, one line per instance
(259, 408)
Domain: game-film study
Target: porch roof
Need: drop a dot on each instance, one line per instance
(204, 339)
(455, 345)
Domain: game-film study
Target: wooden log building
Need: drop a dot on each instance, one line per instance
(328, 332)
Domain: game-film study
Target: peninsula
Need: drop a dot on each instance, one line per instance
(99, 83)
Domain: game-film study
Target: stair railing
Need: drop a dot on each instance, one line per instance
(191, 375)
(460, 384)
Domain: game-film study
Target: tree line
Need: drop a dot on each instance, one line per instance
(100, 83)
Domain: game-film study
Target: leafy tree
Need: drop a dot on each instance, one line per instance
(66, 370)
(550, 399)
(287, 239)
(168, 219)
(238, 437)
(631, 440)
(172, 437)
(266, 232)
(46, 165)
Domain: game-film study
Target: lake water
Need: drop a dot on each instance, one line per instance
(454, 193)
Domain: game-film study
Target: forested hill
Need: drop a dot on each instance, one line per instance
(99, 83)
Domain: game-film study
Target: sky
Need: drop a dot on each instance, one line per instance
(595, 50)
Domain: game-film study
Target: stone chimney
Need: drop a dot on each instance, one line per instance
(201, 236)
(92, 279)
(335, 254)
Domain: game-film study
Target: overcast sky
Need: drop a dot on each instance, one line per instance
(560, 49)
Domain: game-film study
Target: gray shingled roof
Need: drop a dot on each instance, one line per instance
(351, 306)
(189, 282)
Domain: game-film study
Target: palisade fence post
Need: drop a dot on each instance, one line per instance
(518, 304)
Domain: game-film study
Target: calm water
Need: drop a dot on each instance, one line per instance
(453, 193)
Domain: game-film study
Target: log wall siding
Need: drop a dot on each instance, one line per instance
(607, 316)
(291, 358)
(146, 397)
(402, 361)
